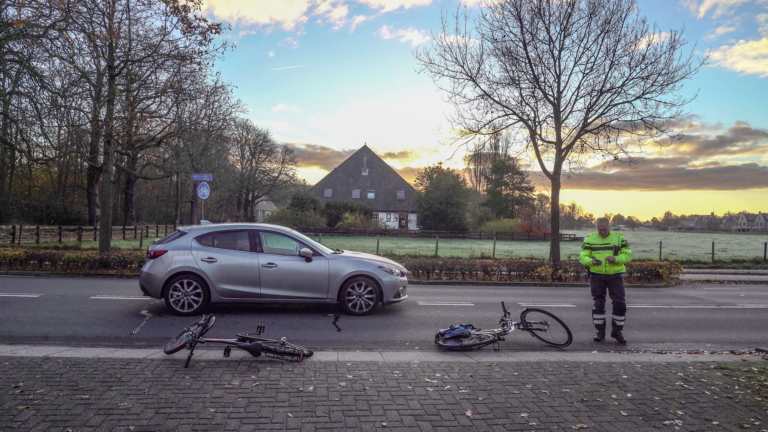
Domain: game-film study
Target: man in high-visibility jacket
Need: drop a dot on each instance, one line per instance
(605, 253)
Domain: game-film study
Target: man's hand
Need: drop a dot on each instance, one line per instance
(596, 261)
(611, 259)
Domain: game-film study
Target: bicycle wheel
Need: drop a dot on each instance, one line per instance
(474, 340)
(284, 350)
(546, 327)
(177, 343)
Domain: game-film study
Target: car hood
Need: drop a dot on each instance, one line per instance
(369, 257)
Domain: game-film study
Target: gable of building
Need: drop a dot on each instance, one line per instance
(365, 178)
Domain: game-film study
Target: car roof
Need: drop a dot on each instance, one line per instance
(235, 225)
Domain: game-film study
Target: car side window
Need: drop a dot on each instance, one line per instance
(278, 244)
(230, 240)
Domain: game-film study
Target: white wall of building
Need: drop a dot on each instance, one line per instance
(392, 221)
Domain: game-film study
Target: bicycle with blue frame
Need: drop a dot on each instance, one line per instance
(539, 323)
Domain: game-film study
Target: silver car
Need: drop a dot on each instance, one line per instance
(260, 263)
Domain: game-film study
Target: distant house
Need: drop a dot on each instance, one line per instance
(684, 226)
(728, 223)
(264, 209)
(746, 222)
(761, 223)
(365, 178)
(708, 222)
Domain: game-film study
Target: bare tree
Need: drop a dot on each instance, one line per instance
(578, 79)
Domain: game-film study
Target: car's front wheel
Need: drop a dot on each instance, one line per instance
(359, 296)
(186, 295)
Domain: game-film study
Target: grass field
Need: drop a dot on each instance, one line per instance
(678, 246)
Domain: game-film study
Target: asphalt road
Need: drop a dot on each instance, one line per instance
(112, 312)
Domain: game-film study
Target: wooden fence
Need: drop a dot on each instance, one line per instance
(19, 234)
(463, 235)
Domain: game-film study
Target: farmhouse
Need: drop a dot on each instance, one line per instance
(747, 222)
(365, 178)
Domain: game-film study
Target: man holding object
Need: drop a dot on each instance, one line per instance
(605, 253)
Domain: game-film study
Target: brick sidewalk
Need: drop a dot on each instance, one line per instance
(150, 395)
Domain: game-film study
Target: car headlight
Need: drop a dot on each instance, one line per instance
(393, 271)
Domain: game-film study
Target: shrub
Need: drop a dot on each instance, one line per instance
(359, 220)
(501, 225)
(285, 217)
(335, 210)
(527, 270)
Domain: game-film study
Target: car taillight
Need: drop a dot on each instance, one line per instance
(155, 254)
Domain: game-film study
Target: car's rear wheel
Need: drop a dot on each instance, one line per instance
(187, 295)
(359, 296)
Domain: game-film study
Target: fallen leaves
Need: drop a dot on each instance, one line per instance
(468, 413)
(624, 413)
(525, 414)
(579, 426)
(672, 422)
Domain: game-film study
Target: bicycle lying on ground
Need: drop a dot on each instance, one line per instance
(249, 342)
(539, 323)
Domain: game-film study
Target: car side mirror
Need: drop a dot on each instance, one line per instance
(306, 253)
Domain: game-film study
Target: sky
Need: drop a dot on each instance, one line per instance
(327, 76)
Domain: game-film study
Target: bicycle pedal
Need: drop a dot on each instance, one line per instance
(227, 350)
(495, 346)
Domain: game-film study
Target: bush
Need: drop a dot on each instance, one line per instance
(287, 218)
(77, 260)
(360, 220)
(335, 210)
(501, 225)
(527, 270)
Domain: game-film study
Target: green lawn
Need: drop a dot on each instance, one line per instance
(679, 246)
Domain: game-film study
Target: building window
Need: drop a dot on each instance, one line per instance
(356, 193)
(327, 193)
(389, 216)
(371, 194)
(401, 195)
(375, 216)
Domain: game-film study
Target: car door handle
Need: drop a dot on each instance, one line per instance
(269, 265)
(209, 260)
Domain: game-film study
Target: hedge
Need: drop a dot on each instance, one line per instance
(71, 260)
(527, 270)
(513, 270)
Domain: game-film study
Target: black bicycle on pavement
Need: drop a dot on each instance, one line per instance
(252, 343)
(541, 324)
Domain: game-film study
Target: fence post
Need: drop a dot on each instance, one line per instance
(166, 230)
(95, 232)
(494, 246)
(135, 232)
(660, 250)
(765, 251)
(37, 235)
(141, 240)
(378, 237)
(437, 243)
(157, 230)
(174, 226)
(79, 234)
(713, 252)
(321, 239)
(123, 232)
(59, 233)
(21, 230)
(13, 234)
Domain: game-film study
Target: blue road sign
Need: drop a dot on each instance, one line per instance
(203, 190)
(202, 177)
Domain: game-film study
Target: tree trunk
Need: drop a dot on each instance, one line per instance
(105, 231)
(93, 170)
(554, 250)
(193, 205)
(177, 203)
(129, 201)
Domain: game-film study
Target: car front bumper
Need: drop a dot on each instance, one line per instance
(395, 290)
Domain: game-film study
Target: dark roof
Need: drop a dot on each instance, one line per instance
(381, 178)
(750, 217)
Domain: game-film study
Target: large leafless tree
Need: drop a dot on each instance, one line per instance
(577, 80)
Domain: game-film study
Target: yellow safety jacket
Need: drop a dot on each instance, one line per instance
(614, 245)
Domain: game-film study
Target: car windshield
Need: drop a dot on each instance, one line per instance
(309, 241)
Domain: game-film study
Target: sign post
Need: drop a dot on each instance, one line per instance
(203, 191)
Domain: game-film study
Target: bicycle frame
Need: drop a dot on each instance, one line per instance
(253, 349)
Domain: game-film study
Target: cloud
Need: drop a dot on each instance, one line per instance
(413, 35)
(285, 107)
(749, 57)
(319, 156)
(728, 160)
(287, 67)
(700, 8)
(271, 53)
(291, 15)
(289, 43)
(717, 32)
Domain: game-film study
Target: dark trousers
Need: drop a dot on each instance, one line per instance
(614, 286)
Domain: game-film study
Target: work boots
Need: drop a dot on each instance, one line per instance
(600, 335)
(616, 334)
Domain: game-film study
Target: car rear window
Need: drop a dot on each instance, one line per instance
(170, 238)
(230, 240)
